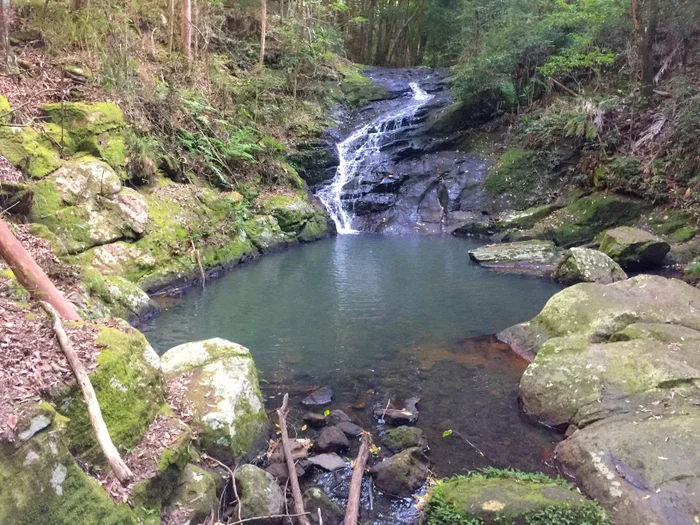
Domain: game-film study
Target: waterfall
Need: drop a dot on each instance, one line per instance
(360, 145)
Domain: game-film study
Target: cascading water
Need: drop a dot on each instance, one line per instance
(358, 147)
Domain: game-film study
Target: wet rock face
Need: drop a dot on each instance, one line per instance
(417, 178)
(527, 257)
(619, 364)
(331, 439)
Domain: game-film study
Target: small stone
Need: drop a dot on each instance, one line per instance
(331, 439)
(314, 499)
(322, 396)
(315, 420)
(401, 475)
(350, 429)
(279, 471)
(339, 415)
(327, 461)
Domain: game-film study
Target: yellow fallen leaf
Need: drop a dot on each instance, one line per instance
(407, 413)
(304, 428)
(374, 450)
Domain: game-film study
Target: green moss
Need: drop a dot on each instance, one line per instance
(5, 109)
(111, 147)
(129, 390)
(314, 229)
(28, 150)
(358, 89)
(83, 119)
(290, 212)
(509, 497)
(42, 483)
(513, 172)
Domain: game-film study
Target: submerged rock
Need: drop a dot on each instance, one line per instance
(279, 471)
(588, 266)
(331, 439)
(315, 420)
(492, 500)
(315, 499)
(527, 257)
(350, 429)
(259, 495)
(328, 461)
(633, 248)
(402, 474)
(404, 416)
(403, 437)
(322, 396)
(228, 407)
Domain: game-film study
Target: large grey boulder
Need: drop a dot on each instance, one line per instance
(259, 495)
(526, 257)
(633, 248)
(619, 365)
(315, 499)
(194, 498)
(223, 389)
(584, 265)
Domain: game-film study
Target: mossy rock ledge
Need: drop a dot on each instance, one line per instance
(229, 412)
(526, 257)
(633, 248)
(481, 499)
(584, 265)
(619, 365)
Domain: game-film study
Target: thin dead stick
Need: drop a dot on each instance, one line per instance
(470, 444)
(353, 510)
(562, 86)
(121, 471)
(302, 515)
(291, 469)
(199, 262)
(232, 478)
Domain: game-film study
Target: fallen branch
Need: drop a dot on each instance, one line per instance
(232, 479)
(31, 276)
(291, 468)
(302, 515)
(353, 510)
(121, 471)
(562, 86)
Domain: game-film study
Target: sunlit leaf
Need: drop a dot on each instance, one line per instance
(447, 433)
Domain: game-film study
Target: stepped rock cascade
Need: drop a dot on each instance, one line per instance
(406, 162)
(357, 151)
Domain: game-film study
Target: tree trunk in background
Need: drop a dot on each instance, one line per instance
(380, 40)
(31, 276)
(397, 38)
(263, 30)
(370, 32)
(186, 28)
(77, 4)
(5, 29)
(647, 47)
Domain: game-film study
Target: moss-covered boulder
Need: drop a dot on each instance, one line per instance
(194, 497)
(360, 90)
(29, 150)
(229, 413)
(265, 233)
(509, 498)
(259, 495)
(633, 248)
(83, 121)
(113, 296)
(527, 218)
(581, 221)
(316, 500)
(5, 109)
(84, 204)
(129, 389)
(40, 481)
(403, 437)
(527, 257)
(291, 212)
(584, 265)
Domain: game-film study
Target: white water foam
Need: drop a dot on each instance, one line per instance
(361, 144)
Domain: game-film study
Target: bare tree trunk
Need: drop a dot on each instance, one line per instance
(370, 32)
(395, 40)
(186, 28)
(263, 30)
(31, 276)
(647, 49)
(121, 471)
